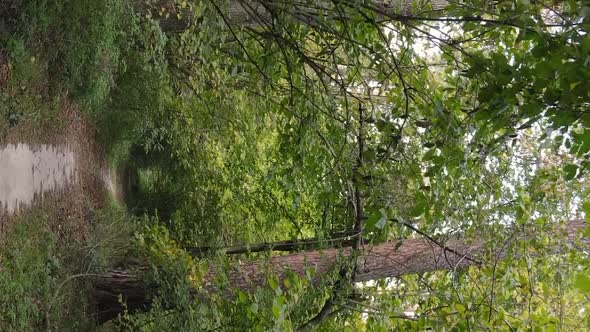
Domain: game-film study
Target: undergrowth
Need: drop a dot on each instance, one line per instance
(79, 41)
(25, 98)
(97, 52)
(45, 275)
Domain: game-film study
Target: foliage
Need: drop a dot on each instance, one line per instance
(307, 113)
(29, 273)
(79, 40)
(180, 279)
(41, 282)
(306, 119)
(24, 98)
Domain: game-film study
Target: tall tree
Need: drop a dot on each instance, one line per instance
(387, 260)
(338, 116)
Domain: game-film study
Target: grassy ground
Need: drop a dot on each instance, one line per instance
(76, 43)
(25, 105)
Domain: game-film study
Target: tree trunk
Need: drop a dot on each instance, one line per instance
(253, 13)
(390, 259)
(377, 262)
(117, 291)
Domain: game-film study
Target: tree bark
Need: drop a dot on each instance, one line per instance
(390, 259)
(254, 13)
(116, 291)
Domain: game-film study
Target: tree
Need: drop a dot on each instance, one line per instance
(175, 17)
(334, 117)
(387, 260)
(313, 78)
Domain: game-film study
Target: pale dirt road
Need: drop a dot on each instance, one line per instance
(60, 168)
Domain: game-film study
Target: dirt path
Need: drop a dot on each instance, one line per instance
(58, 166)
(27, 172)
(49, 158)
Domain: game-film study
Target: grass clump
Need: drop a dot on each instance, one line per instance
(33, 266)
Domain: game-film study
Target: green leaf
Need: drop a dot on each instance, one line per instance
(571, 171)
(277, 305)
(460, 308)
(372, 219)
(276, 311)
(486, 93)
(586, 44)
(586, 207)
(254, 308)
(369, 155)
(381, 223)
(420, 207)
(582, 282)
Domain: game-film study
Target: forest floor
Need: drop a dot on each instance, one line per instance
(70, 205)
(72, 231)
